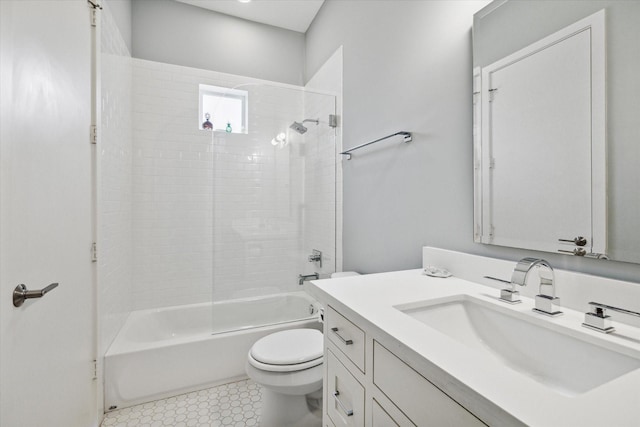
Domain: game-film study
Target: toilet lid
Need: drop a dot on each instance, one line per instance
(290, 347)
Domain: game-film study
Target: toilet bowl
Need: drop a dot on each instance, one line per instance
(288, 366)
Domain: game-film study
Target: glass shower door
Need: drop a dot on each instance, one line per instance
(274, 197)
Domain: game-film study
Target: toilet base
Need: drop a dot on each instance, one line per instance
(286, 410)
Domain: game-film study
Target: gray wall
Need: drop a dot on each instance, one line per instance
(407, 66)
(178, 33)
(121, 11)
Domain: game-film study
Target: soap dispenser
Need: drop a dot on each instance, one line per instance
(207, 124)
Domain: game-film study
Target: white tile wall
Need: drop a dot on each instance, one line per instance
(114, 177)
(215, 215)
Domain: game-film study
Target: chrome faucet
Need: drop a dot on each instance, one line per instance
(544, 303)
(302, 277)
(316, 256)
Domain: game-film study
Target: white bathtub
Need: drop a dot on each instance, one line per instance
(164, 352)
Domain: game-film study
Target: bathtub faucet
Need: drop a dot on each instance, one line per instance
(303, 277)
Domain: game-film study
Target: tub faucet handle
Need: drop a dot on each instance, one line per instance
(316, 256)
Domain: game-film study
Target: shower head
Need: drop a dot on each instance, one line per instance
(300, 127)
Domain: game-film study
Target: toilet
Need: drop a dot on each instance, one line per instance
(288, 365)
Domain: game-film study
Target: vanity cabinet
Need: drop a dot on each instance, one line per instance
(345, 335)
(346, 394)
(414, 395)
(380, 417)
(366, 384)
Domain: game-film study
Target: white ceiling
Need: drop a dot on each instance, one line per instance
(293, 15)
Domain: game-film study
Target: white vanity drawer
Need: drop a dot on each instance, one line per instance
(414, 395)
(344, 395)
(346, 336)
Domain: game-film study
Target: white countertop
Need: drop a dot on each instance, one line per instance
(373, 297)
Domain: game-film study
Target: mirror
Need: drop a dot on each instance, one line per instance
(504, 28)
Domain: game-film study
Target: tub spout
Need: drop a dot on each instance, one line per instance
(302, 277)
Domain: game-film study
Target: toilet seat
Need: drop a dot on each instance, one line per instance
(284, 368)
(288, 351)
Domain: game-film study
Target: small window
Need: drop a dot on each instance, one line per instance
(223, 109)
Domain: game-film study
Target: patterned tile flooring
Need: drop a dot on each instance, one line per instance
(236, 405)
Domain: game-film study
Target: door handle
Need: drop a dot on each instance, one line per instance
(578, 241)
(576, 251)
(21, 293)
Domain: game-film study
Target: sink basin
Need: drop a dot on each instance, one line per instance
(564, 363)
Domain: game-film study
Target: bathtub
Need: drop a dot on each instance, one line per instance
(164, 352)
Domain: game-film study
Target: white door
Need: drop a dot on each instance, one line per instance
(46, 214)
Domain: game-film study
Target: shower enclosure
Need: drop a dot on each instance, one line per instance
(224, 215)
(233, 213)
(233, 188)
(274, 203)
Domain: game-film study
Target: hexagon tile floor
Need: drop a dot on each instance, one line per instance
(236, 405)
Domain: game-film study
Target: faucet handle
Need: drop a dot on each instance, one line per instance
(316, 256)
(597, 318)
(510, 296)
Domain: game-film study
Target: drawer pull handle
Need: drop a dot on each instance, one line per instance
(345, 341)
(348, 412)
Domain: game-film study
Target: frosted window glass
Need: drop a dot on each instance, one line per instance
(224, 107)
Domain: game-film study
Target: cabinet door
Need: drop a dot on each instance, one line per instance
(344, 395)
